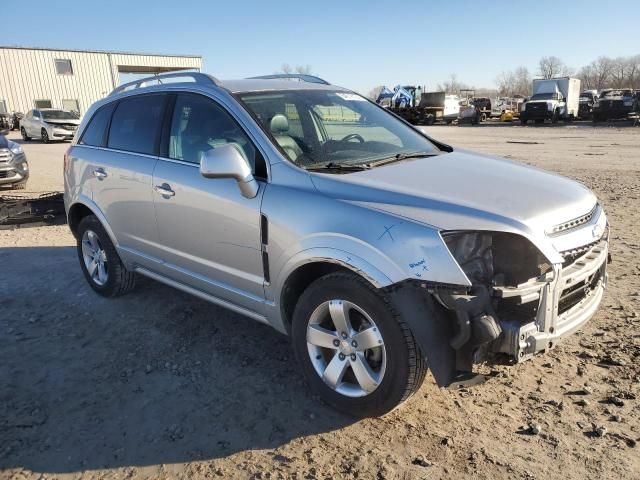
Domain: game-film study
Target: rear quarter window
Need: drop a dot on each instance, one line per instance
(135, 124)
(96, 132)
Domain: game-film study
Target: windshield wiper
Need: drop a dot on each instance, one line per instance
(340, 166)
(402, 156)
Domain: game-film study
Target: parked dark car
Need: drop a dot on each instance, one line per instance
(483, 104)
(10, 121)
(588, 100)
(615, 104)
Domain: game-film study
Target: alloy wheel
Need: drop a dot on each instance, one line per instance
(95, 258)
(346, 348)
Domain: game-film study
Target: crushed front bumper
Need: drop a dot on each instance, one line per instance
(558, 307)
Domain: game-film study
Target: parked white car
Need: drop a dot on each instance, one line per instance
(49, 124)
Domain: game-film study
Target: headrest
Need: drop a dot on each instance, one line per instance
(279, 124)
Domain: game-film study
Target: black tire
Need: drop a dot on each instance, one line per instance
(44, 136)
(555, 116)
(119, 279)
(23, 132)
(596, 118)
(405, 365)
(523, 121)
(539, 120)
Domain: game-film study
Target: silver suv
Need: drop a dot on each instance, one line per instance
(305, 206)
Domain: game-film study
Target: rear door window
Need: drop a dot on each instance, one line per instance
(135, 125)
(96, 132)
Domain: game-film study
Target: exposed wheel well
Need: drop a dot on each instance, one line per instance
(297, 283)
(76, 213)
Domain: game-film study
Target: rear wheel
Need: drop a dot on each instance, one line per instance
(23, 132)
(45, 136)
(99, 260)
(355, 351)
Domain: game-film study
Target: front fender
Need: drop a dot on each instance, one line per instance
(396, 250)
(336, 256)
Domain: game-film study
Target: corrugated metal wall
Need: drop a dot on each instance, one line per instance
(27, 75)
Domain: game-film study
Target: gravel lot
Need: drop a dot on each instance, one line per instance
(161, 385)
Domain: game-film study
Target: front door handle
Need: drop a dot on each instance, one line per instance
(164, 190)
(99, 173)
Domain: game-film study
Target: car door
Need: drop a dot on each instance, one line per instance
(121, 172)
(31, 121)
(209, 232)
(37, 123)
(24, 121)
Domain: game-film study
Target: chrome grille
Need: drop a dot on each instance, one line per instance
(5, 155)
(576, 222)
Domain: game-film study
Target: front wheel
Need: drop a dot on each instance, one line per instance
(555, 116)
(23, 132)
(355, 350)
(99, 260)
(45, 136)
(523, 121)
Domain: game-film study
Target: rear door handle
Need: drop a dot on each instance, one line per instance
(99, 173)
(164, 190)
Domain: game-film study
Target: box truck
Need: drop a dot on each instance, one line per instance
(553, 99)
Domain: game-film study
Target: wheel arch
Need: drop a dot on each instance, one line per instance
(306, 267)
(79, 210)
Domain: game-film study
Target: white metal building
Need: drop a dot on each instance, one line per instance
(73, 79)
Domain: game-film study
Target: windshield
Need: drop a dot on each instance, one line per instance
(58, 115)
(322, 127)
(545, 96)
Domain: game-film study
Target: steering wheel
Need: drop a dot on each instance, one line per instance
(352, 136)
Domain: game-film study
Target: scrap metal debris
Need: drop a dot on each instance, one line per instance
(19, 211)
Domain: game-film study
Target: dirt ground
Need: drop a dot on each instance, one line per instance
(157, 384)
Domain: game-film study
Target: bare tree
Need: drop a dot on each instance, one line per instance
(304, 70)
(452, 85)
(506, 84)
(633, 71)
(619, 73)
(517, 82)
(587, 78)
(301, 69)
(602, 69)
(551, 67)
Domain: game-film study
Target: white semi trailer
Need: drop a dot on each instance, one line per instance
(553, 99)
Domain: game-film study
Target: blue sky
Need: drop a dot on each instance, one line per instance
(357, 44)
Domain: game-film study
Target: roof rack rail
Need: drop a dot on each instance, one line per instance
(302, 77)
(197, 77)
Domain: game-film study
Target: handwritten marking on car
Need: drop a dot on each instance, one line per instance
(387, 231)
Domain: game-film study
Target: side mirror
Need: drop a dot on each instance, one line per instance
(226, 161)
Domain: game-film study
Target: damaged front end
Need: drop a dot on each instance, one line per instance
(519, 303)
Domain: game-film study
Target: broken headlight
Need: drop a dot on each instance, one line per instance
(496, 258)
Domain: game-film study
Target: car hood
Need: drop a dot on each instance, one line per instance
(74, 121)
(462, 190)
